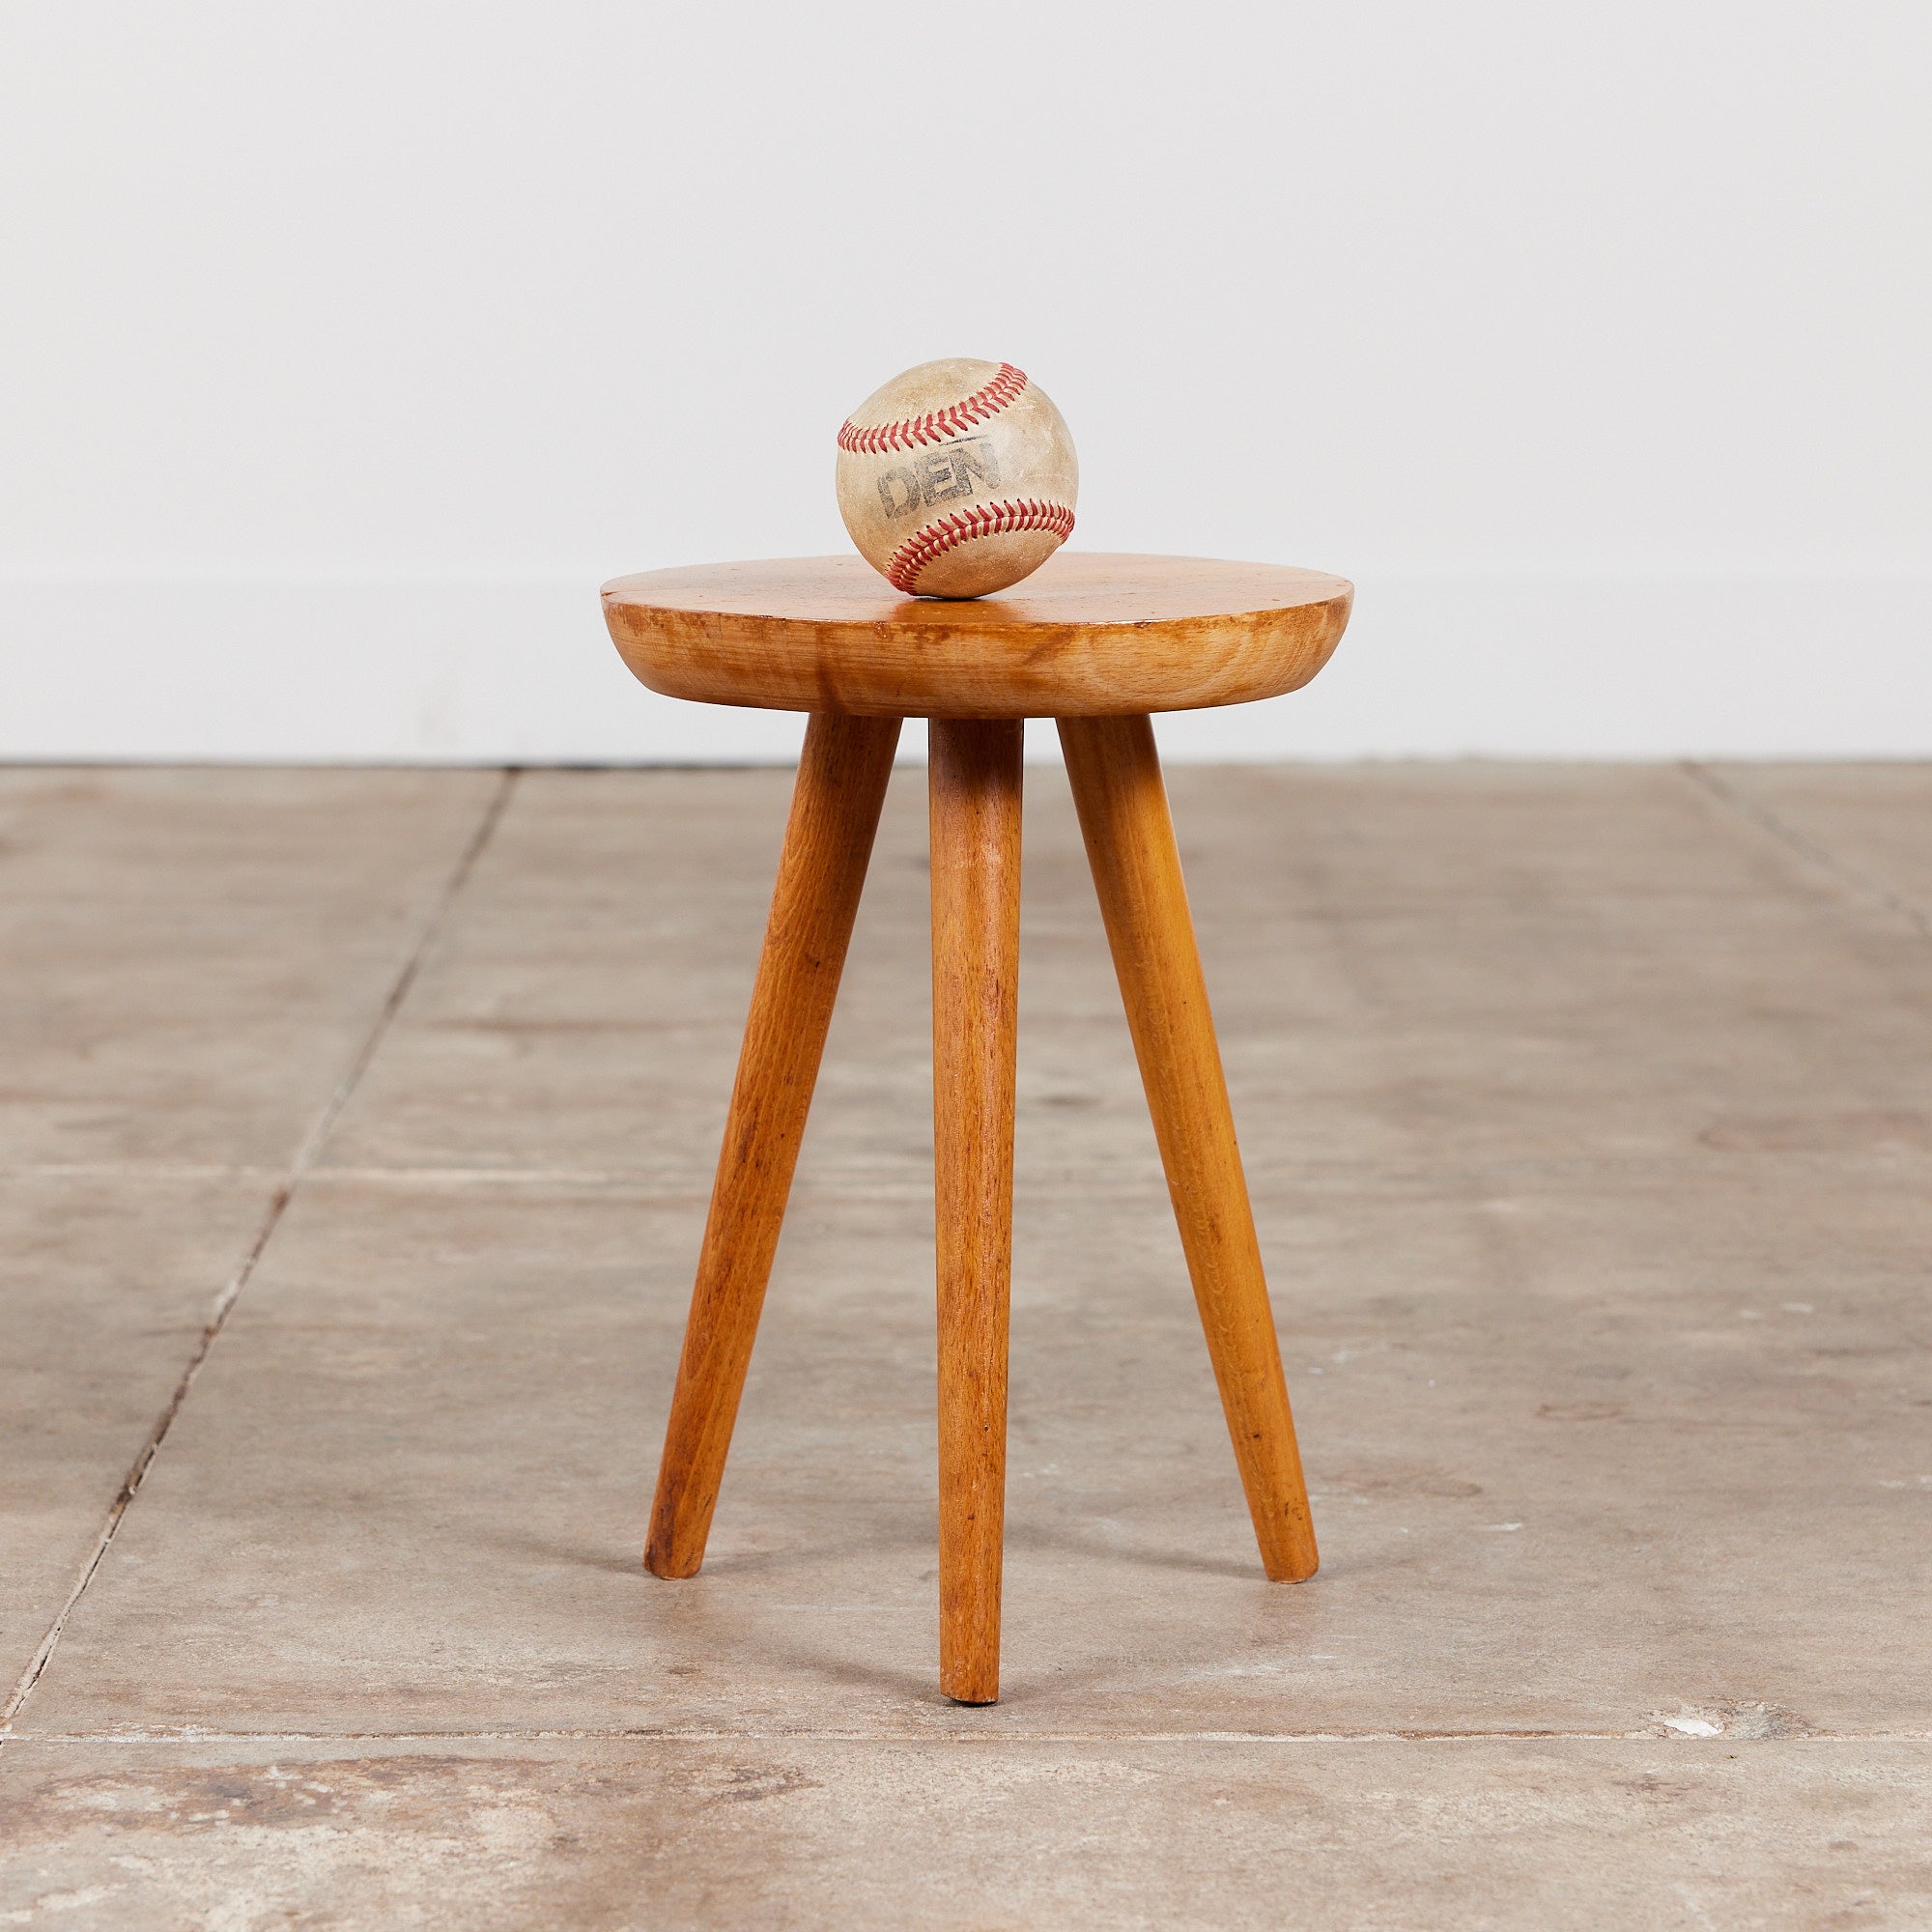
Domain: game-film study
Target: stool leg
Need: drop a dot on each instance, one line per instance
(835, 813)
(1124, 817)
(975, 783)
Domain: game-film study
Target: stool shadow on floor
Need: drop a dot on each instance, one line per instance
(1076, 1540)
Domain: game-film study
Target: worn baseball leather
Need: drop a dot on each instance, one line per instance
(956, 479)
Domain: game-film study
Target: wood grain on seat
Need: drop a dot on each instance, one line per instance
(1088, 634)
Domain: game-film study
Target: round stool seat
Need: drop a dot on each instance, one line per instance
(1088, 634)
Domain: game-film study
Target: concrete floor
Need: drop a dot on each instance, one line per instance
(356, 1130)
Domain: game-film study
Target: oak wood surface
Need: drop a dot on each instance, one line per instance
(828, 842)
(1130, 837)
(1096, 642)
(974, 780)
(1089, 634)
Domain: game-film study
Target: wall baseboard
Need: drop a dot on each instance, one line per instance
(459, 672)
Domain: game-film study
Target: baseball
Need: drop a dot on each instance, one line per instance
(956, 479)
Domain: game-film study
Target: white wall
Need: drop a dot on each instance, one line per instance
(343, 350)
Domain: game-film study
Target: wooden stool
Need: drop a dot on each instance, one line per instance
(1095, 642)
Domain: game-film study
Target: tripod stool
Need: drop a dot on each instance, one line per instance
(1095, 642)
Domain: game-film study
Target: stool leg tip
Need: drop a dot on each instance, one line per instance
(976, 1699)
(673, 1565)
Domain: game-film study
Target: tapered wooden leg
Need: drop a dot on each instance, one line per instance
(835, 813)
(975, 783)
(1123, 819)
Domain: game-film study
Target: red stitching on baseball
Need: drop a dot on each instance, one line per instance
(936, 425)
(983, 520)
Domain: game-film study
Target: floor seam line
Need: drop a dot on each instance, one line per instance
(1822, 856)
(298, 1166)
(698, 1185)
(591, 1735)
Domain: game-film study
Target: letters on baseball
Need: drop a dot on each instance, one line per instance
(952, 471)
